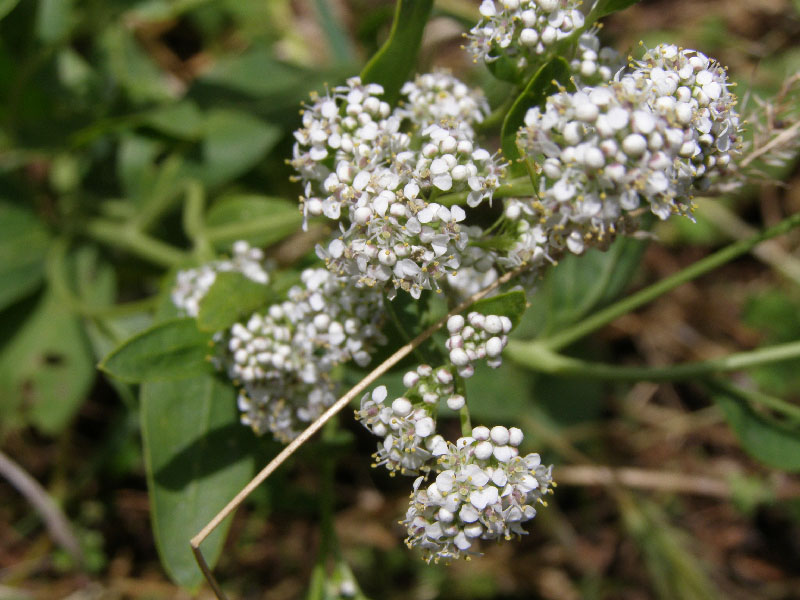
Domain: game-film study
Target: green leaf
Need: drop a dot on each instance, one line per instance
(136, 165)
(580, 284)
(234, 143)
(23, 247)
(505, 68)
(182, 120)
(132, 68)
(498, 395)
(54, 20)
(46, 367)
(540, 86)
(394, 62)
(261, 220)
(256, 73)
(338, 40)
(169, 350)
(197, 457)
(231, 297)
(6, 6)
(606, 7)
(510, 304)
(777, 315)
(762, 437)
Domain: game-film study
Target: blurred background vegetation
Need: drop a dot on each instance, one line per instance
(108, 107)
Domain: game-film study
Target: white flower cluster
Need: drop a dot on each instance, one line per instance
(604, 149)
(436, 97)
(522, 29)
(407, 425)
(593, 64)
(690, 86)
(476, 337)
(362, 169)
(282, 359)
(192, 285)
(483, 490)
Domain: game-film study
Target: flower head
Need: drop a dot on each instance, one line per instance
(483, 489)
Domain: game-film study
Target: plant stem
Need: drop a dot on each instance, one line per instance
(519, 186)
(541, 358)
(287, 222)
(330, 543)
(603, 317)
(788, 409)
(193, 222)
(134, 241)
(466, 421)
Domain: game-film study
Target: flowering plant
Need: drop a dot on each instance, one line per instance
(402, 175)
(431, 225)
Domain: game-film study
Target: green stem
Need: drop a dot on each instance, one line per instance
(134, 241)
(626, 305)
(519, 186)
(194, 223)
(285, 222)
(466, 421)
(541, 358)
(330, 543)
(753, 396)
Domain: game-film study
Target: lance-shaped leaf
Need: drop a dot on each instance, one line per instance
(173, 349)
(544, 83)
(197, 457)
(393, 63)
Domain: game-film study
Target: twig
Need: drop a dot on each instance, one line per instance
(592, 475)
(54, 520)
(293, 446)
(664, 481)
(779, 139)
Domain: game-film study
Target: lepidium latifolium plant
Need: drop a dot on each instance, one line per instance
(436, 216)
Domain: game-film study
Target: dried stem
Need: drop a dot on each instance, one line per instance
(775, 142)
(664, 481)
(293, 446)
(57, 524)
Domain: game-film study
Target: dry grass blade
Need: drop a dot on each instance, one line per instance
(55, 521)
(292, 447)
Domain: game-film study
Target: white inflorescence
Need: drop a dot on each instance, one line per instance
(686, 82)
(407, 424)
(282, 359)
(475, 338)
(644, 138)
(374, 171)
(192, 285)
(435, 97)
(593, 64)
(521, 29)
(483, 489)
